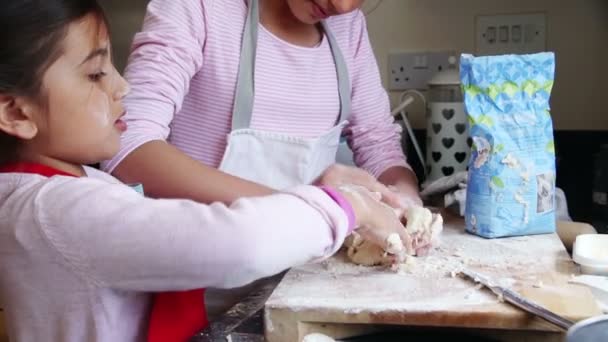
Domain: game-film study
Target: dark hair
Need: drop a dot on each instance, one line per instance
(31, 32)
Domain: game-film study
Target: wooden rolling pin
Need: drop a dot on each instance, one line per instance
(568, 231)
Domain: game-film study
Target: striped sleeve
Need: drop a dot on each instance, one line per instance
(165, 56)
(372, 134)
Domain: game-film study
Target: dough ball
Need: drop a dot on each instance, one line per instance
(423, 227)
(363, 252)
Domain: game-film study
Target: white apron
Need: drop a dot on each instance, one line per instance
(273, 159)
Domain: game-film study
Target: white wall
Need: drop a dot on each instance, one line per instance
(126, 17)
(577, 33)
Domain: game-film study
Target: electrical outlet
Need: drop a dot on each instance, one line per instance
(511, 34)
(413, 70)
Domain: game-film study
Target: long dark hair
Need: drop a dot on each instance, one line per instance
(31, 32)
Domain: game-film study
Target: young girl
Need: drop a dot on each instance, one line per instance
(80, 252)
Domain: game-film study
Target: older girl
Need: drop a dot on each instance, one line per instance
(242, 97)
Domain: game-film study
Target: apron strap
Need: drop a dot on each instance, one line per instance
(341, 73)
(243, 100)
(244, 94)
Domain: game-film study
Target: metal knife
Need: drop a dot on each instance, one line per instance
(517, 300)
(223, 328)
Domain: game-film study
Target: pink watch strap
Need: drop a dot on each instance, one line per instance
(344, 204)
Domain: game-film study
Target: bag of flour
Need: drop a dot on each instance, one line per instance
(511, 181)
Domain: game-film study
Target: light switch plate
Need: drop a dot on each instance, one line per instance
(511, 34)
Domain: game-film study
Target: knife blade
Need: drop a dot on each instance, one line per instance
(517, 300)
(222, 328)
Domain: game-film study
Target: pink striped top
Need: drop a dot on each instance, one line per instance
(183, 71)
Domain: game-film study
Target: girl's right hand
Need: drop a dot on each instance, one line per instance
(375, 221)
(338, 175)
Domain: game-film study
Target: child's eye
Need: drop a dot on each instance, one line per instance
(97, 76)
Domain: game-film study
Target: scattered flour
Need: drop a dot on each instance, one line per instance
(405, 267)
(506, 282)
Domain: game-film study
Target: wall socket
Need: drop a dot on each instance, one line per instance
(511, 34)
(413, 70)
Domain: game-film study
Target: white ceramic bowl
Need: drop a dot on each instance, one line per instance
(591, 253)
(590, 330)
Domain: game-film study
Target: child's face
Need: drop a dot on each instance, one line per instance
(79, 123)
(313, 11)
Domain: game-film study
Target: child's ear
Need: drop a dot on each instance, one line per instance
(16, 117)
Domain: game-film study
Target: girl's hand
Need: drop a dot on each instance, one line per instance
(338, 175)
(376, 221)
(406, 197)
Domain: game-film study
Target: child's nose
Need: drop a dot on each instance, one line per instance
(122, 89)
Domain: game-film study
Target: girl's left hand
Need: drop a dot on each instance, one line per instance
(405, 197)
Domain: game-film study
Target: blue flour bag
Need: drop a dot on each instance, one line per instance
(511, 181)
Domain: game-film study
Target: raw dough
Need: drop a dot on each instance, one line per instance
(394, 245)
(363, 252)
(423, 226)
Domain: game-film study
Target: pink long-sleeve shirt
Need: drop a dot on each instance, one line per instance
(78, 256)
(183, 71)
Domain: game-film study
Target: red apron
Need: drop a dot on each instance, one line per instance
(38, 169)
(176, 316)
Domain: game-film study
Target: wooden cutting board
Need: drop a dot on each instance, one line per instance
(324, 297)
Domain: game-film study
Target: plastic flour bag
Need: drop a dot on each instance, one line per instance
(511, 181)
